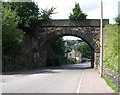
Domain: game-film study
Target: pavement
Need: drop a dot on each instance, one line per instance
(91, 82)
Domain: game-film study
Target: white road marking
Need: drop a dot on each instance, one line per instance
(78, 90)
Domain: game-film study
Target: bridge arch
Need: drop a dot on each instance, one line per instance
(60, 34)
(51, 39)
(88, 30)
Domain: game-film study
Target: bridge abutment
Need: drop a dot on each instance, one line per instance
(96, 60)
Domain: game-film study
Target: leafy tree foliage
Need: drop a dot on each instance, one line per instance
(58, 46)
(11, 35)
(77, 13)
(46, 13)
(55, 56)
(84, 49)
(28, 13)
(117, 19)
(70, 43)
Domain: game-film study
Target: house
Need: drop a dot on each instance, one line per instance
(76, 55)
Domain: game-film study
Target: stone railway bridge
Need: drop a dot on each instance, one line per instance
(48, 31)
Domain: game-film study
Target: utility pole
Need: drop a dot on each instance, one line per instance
(101, 40)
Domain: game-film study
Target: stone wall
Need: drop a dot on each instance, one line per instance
(112, 75)
(28, 58)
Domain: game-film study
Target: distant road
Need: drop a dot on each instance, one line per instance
(66, 79)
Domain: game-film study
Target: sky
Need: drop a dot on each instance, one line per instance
(90, 7)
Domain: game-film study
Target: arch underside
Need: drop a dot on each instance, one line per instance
(90, 36)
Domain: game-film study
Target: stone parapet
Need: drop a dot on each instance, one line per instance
(72, 23)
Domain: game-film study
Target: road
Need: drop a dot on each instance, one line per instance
(66, 79)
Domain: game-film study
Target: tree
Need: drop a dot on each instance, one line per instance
(46, 13)
(56, 53)
(58, 46)
(28, 13)
(84, 49)
(77, 13)
(11, 36)
(117, 19)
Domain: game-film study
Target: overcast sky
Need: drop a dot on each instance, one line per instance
(91, 7)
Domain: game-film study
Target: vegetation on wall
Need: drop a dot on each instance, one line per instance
(111, 47)
(111, 52)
